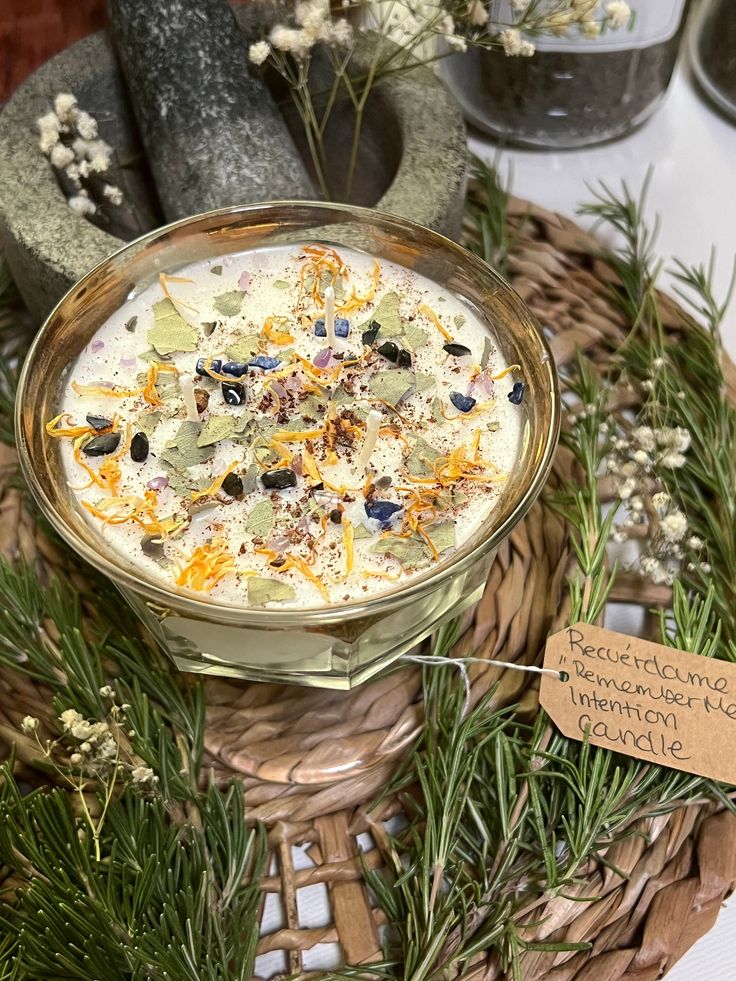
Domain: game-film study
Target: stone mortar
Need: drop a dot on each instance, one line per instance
(49, 247)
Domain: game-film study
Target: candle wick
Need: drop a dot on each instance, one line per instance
(371, 437)
(190, 400)
(330, 317)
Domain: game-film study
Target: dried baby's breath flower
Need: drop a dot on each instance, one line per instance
(142, 775)
(618, 14)
(695, 543)
(477, 14)
(513, 43)
(29, 724)
(107, 691)
(82, 204)
(259, 52)
(674, 526)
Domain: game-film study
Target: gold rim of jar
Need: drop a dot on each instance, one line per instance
(88, 304)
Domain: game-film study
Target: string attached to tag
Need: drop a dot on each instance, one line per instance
(461, 664)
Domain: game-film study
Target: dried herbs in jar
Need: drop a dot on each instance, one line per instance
(574, 90)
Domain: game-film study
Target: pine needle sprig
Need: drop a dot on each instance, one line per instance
(164, 876)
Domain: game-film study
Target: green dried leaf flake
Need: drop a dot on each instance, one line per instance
(216, 428)
(387, 315)
(131, 324)
(410, 552)
(250, 478)
(422, 456)
(442, 535)
(360, 532)
(170, 331)
(391, 385)
(242, 422)
(216, 270)
(244, 348)
(147, 421)
(182, 451)
(459, 320)
(423, 382)
(150, 355)
(260, 520)
(437, 416)
(280, 284)
(262, 590)
(414, 337)
(229, 304)
(486, 355)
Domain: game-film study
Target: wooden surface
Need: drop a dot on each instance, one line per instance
(32, 30)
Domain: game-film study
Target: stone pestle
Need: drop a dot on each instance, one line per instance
(212, 133)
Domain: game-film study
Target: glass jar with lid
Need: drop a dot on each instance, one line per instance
(574, 90)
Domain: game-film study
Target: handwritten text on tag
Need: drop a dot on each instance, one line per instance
(645, 700)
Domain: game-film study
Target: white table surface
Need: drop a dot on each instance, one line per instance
(693, 150)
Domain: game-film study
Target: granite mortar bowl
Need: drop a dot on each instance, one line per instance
(331, 645)
(413, 162)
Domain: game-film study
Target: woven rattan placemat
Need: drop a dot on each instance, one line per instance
(313, 761)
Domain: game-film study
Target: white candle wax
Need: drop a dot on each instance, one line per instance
(330, 317)
(269, 529)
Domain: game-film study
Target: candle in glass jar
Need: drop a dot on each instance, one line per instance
(292, 471)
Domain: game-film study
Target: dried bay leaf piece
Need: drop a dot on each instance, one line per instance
(391, 386)
(414, 337)
(410, 552)
(147, 421)
(419, 461)
(229, 304)
(280, 284)
(216, 428)
(437, 416)
(183, 483)
(242, 422)
(423, 382)
(442, 535)
(262, 590)
(359, 532)
(387, 315)
(260, 520)
(244, 348)
(486, 355)
(182, 451)
(170, 331)
(250, 478)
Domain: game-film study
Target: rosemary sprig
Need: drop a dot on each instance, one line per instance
(685, 387)
(530, 807)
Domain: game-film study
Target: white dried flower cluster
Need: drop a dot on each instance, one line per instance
(29, 724)
(97, 744)
(314, 24)
(636, 462)
(68, 137)
(618, 14)
(514, 44)
(561, 18)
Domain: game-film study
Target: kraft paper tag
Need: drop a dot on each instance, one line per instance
(644, 700)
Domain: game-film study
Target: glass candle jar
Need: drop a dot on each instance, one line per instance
(573, 91)
(332, 645)
(713, 53)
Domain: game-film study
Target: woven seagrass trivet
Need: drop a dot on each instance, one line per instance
(313, 761)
